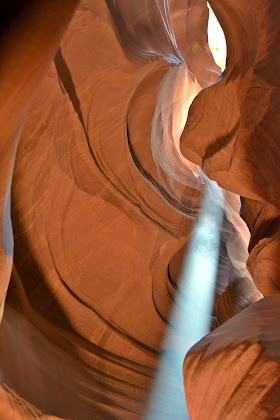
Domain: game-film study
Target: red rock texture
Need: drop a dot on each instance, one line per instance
(234, 372)
(98, 238)
(30, 34)
(240, 150)
(244, 123)
(92, 238)
(240, 360)
(14, 407)
(263, 263)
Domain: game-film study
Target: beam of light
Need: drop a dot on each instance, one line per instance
(192, 313)
(191, 317)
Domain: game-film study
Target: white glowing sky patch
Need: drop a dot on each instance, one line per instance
(216, 40)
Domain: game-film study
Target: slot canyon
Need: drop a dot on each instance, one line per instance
(140, 224)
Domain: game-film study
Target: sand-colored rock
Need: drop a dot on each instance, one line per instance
(263, 263)
(30, 34)
(92, 238)
(99, 239)
(234, 372)
(232, 129)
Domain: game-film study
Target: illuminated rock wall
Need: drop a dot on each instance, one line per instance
(240, 360)
(101, 225)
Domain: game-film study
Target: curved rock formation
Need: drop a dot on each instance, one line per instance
(241, 154)
(92, 239)
(243, 107)
(30, 34)
(263, 220)
(234, 372)
(104, 202)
